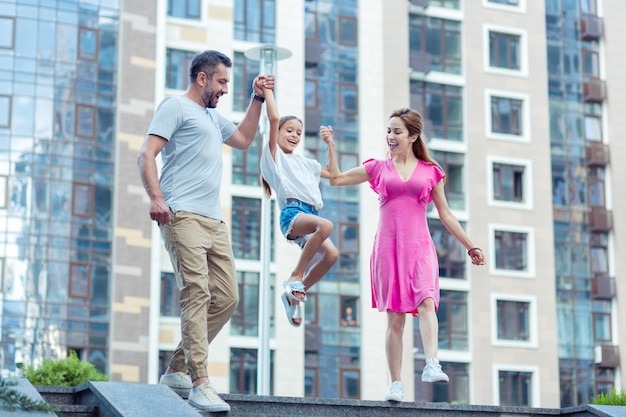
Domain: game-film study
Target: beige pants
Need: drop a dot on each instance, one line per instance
(200, 251)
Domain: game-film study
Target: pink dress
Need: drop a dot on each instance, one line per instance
(404, 269)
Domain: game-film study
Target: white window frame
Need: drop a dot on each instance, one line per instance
(530, 255)
(520, 8)
(535, 387)
(525, 137)
(532, 342)
(523, 46)
(528, 201)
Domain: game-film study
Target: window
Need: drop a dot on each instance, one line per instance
(348, 314)
(310, 93)
(506, 2)
(454, 392)
(506, 116)
(4, 191)
(348, 100)
(246, 227)
(516, 6)
(505, 51)
(453, 326)
(245, 319)
(515, 388)
(85, 121)
(83, 198)
(5, 111)
(88, 44)
(350, 383)
(243, 371)
(450, 252)
(591, 59)
(441, 105)
(7, 28)
(593, 122)
(244, 72)
(440, 39)
(575, 378)
(255, 21)
(347, 30)
(513, 320)
(80, 277)
(448, 4)
(452, 164)
(184, 9)
(602, 328)
(246, 168)
(599, 254)
(177, 68)
(513, 251)
(510, 182)
(170, 295)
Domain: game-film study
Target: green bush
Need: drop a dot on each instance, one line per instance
(67, 372)
(614, 398)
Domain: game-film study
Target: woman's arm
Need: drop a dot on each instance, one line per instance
(352, 176)
(452, 224)
(332, 169)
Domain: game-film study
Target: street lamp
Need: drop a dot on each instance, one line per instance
(268, 55)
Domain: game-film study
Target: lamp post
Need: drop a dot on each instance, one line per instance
(268, 55)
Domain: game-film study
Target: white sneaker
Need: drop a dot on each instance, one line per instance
(205, 398)
(395, 392)
(433, 373)
(179, 382)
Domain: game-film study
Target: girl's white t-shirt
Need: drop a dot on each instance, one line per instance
(292, 176)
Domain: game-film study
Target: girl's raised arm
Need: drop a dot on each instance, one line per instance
(274, 119)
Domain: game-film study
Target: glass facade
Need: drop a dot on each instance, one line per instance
(581, 222)
(57, 155)
(332, 357)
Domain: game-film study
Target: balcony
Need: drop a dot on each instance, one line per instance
(606, 356)
(313, 52)
(597, 154)
(591, 27)
(603, 288)
(600, 220)
(594, 90)
(420, 62)
(312, 120)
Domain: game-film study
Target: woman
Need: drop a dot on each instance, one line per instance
(404, 266)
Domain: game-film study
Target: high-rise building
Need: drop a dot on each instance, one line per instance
(521, 105)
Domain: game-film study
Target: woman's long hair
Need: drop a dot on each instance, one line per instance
(267, 190)
(414, 123)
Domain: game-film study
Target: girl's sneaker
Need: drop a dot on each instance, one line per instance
(395, 392)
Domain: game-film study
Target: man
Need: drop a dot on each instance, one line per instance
(185, 202)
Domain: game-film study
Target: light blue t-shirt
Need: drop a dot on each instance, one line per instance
(192, 157)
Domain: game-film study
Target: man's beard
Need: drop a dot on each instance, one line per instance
(207, 98)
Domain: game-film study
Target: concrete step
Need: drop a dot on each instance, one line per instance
(120, 399)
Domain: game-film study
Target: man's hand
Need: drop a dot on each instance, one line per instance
(261, 82)
(160, 212)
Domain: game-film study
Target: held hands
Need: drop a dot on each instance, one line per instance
(477, 256)
(328, 134)
(261, 82)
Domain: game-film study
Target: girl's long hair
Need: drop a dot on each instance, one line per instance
(414, 123)
(267, 190)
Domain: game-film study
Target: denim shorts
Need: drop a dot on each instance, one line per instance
(288, 215)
